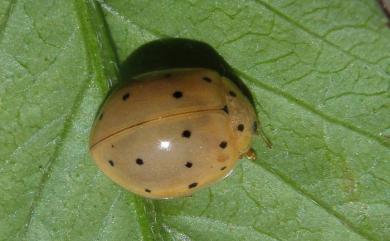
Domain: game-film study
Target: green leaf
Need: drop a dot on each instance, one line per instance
(319, 72)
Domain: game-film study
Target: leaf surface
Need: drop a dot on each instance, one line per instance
(319, 72)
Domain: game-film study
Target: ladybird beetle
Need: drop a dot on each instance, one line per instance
(168, 133)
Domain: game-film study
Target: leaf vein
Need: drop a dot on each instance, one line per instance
(4, 21)
(106, 218)
(284, 179)
(229, 226)
(313, 110)
(287, 18)
(54, 158)
(92, 65)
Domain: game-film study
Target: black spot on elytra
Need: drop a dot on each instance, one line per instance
(192, 185)
(207, 79)
(177, 94)
(148, 190)
(226, 109)
(189, 164)
(240, 127)
(125, 96)
(112, 146)
(223, 144)
(167, 75)
(231, 93)
(101, 116)
(255, 126)
(111, 162)
(223, 168)
(186, 134)
(139, 161)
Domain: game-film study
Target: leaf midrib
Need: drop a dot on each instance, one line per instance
(94, 63)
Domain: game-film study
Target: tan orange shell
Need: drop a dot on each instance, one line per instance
(169, 133)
